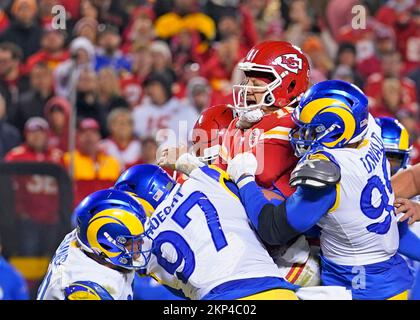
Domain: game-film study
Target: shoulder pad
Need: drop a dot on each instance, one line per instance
(315, 171)
(86, 290)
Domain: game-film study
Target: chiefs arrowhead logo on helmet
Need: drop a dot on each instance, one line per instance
(290, 62)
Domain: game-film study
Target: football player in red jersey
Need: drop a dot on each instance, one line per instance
(276, 75)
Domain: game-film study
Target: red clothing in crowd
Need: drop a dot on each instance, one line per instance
(36, 189)
(373, 89)
(4, 21)
(45, 57)
(72, 7)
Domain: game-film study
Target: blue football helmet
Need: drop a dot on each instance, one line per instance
(331, 114)
(149, 183)
(396, 142)
(111, 225)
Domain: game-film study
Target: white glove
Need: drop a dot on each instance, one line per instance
(242, 164)
(247, 119)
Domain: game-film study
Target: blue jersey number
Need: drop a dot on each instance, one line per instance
(370, 210)
(183, 250)
(213, 223)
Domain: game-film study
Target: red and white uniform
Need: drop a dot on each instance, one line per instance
(268, 140)
(41, 190)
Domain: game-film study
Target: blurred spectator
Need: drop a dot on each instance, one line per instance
(301, 24)
(189, 70)
(93, 169)
(391, 68)
(9, 135)
(415, 76)
(157, 108)
(218, 69)
(31, 103)
(12, 285)
(384, 44)
(121, 143)
(37, 222)
(266, 13)
(12, 79)
(87, 98)
(67, 73)
(45, 10)
(108, 52)
(346, 57)
(72, 8)
(339, 14)
(87, 28)
(109, 92)
(52, 50)
(319, 59)
(149, 149)
(57, 112)
(25, 30)
(198, 94)
(162, 59)
(88, 9)
(140, 30)
(111, 12)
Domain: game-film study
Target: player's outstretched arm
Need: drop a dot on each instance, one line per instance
(278, 224)
(406, 183)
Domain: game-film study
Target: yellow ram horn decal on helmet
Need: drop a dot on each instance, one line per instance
(349, 125)
(117, 216)
(314, 107)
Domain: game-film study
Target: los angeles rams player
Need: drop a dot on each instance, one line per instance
(343, 187)
(97, 260)
(202, 242)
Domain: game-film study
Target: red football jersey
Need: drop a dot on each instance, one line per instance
(269, 141)
(36, 196)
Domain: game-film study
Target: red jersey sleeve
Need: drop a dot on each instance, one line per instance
(276, 164)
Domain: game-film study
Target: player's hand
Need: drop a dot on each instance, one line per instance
(170, 155)
(242, 164)
(410, 209)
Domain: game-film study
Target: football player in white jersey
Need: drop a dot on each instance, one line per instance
(203, 245)
(97, 260)
(397, 150)
(343, 186)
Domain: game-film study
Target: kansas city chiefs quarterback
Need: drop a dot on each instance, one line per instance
(276, 74)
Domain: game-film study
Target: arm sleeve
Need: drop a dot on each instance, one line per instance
(277, 224)
(409, 242)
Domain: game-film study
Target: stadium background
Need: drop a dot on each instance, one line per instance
(79, 105)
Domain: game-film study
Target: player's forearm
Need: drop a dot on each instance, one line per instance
(406, 184)
(278, 224)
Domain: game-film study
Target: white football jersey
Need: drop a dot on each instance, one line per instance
(362, 228)
(202, 238)
(70, 265)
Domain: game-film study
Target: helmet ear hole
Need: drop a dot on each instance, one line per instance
(292, 86)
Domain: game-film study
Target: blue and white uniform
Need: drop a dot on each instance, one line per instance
(73, 275)
(203, 244)
(359, 231)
